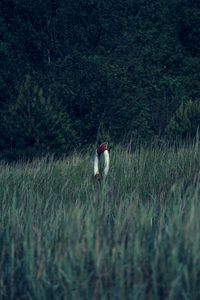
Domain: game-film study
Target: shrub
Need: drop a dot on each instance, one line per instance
(34, 125)
(186, 120)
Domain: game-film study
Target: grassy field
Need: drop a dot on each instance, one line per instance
(135, 236)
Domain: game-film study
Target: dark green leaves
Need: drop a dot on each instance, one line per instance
(35, 125)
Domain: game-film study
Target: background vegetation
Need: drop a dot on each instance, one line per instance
(125, 66)
(135, 236)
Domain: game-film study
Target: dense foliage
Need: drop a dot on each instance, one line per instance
(186, 121)
(122, 65)
(34, 125)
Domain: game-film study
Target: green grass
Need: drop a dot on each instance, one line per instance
(135, 236)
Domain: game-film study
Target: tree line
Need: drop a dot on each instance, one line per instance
(72, 71)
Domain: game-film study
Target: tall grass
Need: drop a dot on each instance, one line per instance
(135, 236)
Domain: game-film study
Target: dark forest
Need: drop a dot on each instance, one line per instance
(73, 72)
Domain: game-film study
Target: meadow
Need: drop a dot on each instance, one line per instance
(134, 236)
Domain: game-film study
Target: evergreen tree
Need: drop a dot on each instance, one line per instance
(186, 120)
(35, 125)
